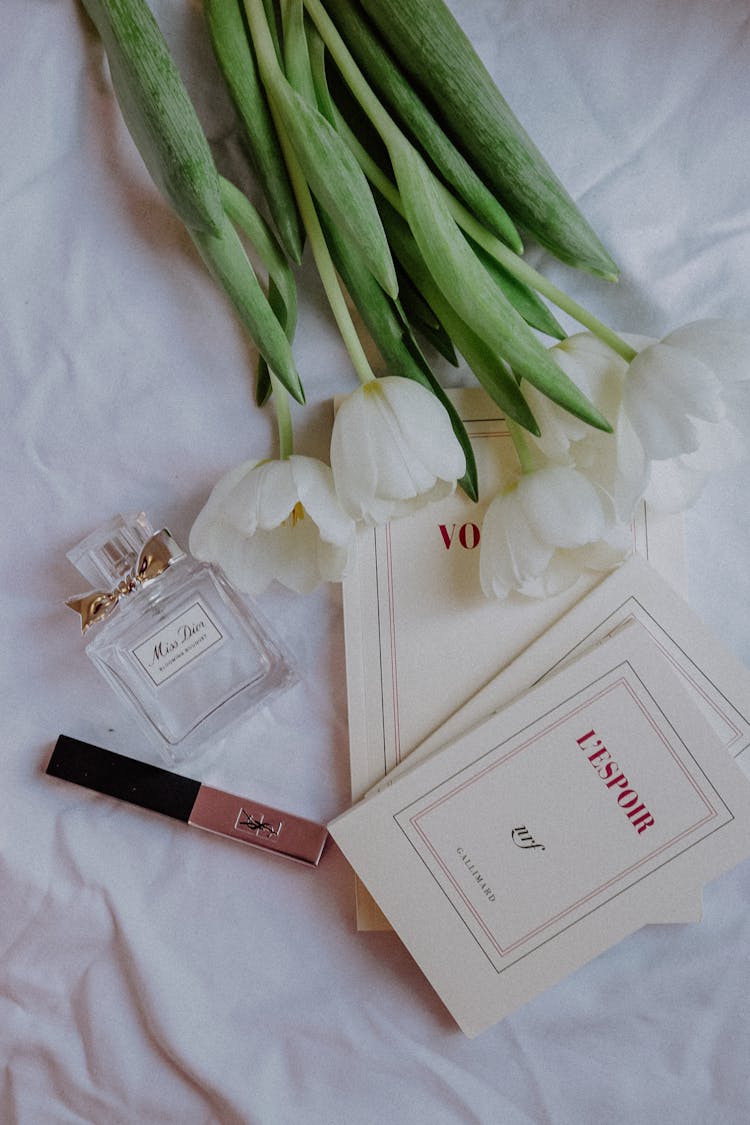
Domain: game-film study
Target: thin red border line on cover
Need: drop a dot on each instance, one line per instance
(504, 951)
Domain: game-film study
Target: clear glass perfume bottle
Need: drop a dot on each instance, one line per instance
(172, 637)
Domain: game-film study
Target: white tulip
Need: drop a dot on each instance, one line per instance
(682, 396)
(614, 463)
(279, 520)
(676, 386)
(673, 410)
(540, 534)
(596, 370)
(666, 390)
(393, 450)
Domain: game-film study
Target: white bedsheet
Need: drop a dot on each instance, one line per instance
(150, 973)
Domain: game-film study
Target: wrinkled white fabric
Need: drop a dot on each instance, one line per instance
(151, 974)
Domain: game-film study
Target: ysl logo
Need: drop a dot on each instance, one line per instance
(249, 822)
(522, 838)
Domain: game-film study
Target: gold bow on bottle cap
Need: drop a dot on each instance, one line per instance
(157, 554)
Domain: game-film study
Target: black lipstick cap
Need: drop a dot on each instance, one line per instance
(117, 776)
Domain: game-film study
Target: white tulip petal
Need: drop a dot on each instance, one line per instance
(654, 406)
(676, 484)
(590, 363)
(201, 529)
(563, 571)
(630, 480)
(257, 560)
(207, 537)
(614, 463)
(261, 523)
(661, 435)
(393, 450)
(562, 506)
(394, 476)
(566, 567)
(593, 367)
(400, 474)
(353, 457)
(315, 488)
(510, 552)
(379, 511)
(245, 561)
(557, 434)
(665, 374)
(265, 497)
(723, 345)
(333, 561)
(415, 438)
(671, 409)
(426, 426)
(540, 536)
(296, 548)
(665, 388)
(607, 553)
(693, 382)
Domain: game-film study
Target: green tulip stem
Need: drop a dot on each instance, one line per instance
(325, 266)
(283, 417)
(352, 75)
(389, 131)
(521, 446)
(271, 74)
(535, 280)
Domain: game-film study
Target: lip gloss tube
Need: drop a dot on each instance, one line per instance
(151, 787)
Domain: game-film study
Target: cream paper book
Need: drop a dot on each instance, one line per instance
(553, 829)
(716, 680)
(421, 638)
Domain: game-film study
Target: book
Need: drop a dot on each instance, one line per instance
(598, 801)
(420, 636)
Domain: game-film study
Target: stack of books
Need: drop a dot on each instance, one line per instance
(532, 780)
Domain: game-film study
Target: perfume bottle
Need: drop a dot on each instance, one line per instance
(172, 637)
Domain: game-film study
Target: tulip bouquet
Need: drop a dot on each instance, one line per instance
(379, 138)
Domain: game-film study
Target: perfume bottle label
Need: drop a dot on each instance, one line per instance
(182, 640)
